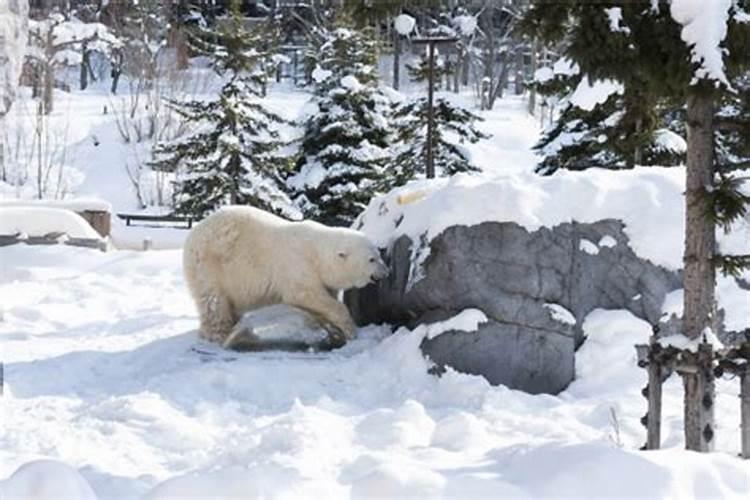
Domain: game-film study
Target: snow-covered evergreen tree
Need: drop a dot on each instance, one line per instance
(683, 53)
(442, 69)
(345, 144)
(229, 158)
(604, 123)
(454, 126)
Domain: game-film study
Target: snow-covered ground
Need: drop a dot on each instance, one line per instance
(104, 372)
(105, 375)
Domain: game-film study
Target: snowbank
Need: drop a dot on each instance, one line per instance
(648, 200)
(40, 221)
(75, 204)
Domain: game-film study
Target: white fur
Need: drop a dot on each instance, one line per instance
(242, 258)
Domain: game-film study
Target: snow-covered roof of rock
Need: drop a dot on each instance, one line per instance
(648, 200)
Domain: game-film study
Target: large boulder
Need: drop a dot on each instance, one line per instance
(535, 287)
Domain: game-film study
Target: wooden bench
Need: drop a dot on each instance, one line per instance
(128, 218)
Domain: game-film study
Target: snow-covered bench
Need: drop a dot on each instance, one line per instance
(183, 222)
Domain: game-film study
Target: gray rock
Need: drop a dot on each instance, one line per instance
(281, 327)
(510, 273)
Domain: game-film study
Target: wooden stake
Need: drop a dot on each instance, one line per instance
(745, 411)
(698, 380)
(653, 417)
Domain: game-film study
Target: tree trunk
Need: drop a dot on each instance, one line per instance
(48, 86)
(396, 59)
(84, 80)
(534, 64)
(519, 69)
(700, 231)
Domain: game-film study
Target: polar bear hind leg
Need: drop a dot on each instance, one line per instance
(216, 313)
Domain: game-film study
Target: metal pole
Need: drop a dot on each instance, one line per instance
(430, 111)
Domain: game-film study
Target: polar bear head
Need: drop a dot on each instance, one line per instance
(352, 261)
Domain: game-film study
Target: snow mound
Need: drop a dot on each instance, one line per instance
(39, 221)
(648, 200)
(46, 480)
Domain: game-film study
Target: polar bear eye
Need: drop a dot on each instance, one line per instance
(342, 255)
(372, 259)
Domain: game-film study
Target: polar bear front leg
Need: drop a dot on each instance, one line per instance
(329, 310)
(216, 316)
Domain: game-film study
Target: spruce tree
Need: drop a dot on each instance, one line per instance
(229, 158)
(674, 52)
(625, 128)
(345, 144)
(454, 126)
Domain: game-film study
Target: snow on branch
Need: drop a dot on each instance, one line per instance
(703, 30)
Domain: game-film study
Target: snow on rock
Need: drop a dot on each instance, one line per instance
(648, 200)
(467, 320)
(559, 313)
(588, 95)
(703, 31)
(666, 140)
(46, 480)
(588, 246)
(673, 304)
(39, 221)
(607, 241)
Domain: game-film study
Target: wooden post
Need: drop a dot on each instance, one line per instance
(653, 417)
(698, 380)
(430, 166)
(100, 220)
(745, 411)
(648, 357)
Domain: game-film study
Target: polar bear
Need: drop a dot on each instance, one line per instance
(241, 258)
